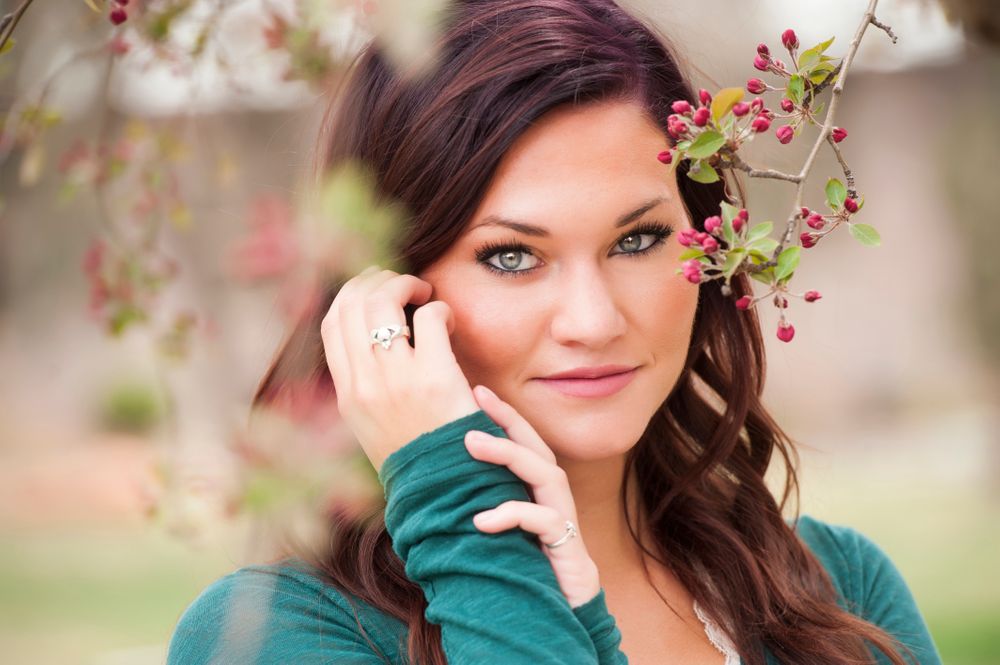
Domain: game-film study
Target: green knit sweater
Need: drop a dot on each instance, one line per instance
(495, 596)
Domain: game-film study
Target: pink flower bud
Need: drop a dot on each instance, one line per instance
(779, 64)
(701, 237)
(805, 212)
(704, 97)
(760, 124)
(760, 63)
(738, 223)
(710, 245)
(740, 109)
(786, 105)
(756, 86)
(757, 105)
(850, 205)
(666, 156)
(786, 332)
(744, 302)
(838, 134)
(762, 50)
(686, 236)
(701, 116)
(808, 240)
(785, 133)
(812, 296)
(692, 270)
(713, 223)
(743, 214)
(118, 16)
(789, 39)
(816, 221)
(681, 106)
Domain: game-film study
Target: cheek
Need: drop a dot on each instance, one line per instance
(492, 333)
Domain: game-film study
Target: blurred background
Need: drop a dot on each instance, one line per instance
(154, 212)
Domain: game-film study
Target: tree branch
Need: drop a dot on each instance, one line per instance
(9, 22)
(738, 163)
(838, 89)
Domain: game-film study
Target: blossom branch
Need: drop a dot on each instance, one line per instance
(836, 93)
(848, 174)
(738, 163)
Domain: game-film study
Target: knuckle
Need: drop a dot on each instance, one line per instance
(557, 475)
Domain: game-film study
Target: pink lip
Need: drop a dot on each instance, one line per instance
(599, 387)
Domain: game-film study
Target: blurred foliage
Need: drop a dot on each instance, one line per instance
(132, 407)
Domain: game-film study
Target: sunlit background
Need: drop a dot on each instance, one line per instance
(183, 140)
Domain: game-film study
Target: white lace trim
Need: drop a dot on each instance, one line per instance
(718, 637)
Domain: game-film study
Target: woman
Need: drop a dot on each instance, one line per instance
(599, 520)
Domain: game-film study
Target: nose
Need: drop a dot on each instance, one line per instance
(587, 310)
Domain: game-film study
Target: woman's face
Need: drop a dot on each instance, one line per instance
(580, 291)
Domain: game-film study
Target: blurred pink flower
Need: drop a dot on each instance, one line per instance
(271, 247)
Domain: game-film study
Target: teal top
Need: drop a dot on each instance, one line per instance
(495, 596)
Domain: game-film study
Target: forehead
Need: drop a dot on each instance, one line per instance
(594, 159)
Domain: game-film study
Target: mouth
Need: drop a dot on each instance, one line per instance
(602, 386)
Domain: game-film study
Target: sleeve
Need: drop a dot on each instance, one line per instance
(495, 596)
(876, 591)
(603, 630)
(257, 616)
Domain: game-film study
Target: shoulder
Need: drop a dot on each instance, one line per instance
(279, 612)
(860, 569)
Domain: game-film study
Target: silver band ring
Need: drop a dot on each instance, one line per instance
(385, 334)
(571, 532)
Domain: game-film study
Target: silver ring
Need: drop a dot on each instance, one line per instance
(385, 334)
(571, 532)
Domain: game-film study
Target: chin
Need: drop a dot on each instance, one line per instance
(590, 440)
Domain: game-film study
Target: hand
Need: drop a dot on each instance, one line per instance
(389, 397)
(533, 462)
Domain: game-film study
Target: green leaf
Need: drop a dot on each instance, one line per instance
(819, 73)
(683, 145)
(765, 277)
(866, 235)
(796, 89)
(729, 212)
(788, 261)
(758, 231)
(764, 245)
(706, 145)
(757, 256)
(811, 56)
(691, 253)
(836, 193)
(733, 260)
(8, 45)
(705, 173)
(724, 101)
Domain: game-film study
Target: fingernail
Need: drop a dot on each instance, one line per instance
(487, 391)
(483, 518)
(475, 436)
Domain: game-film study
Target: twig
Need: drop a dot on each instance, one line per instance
(848, 174)
(738, 163)
(879, 24)
(9, 22)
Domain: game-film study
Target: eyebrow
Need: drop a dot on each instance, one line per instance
(532, 230)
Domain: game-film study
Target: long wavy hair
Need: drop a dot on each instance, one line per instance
(433, 143)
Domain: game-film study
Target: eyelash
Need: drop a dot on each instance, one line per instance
(492, 248)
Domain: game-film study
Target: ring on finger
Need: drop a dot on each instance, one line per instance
(385, 334)
(571, 532)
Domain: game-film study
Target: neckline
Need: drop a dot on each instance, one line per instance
(718, 637)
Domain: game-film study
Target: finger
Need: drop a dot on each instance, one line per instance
(333, 348)
(384, 306)
(548, 482)
(543, 521)
(433, 324)
(354, 329)
(524, 462)
(516, 427)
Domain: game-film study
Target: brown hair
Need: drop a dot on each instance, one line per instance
(433, 144)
